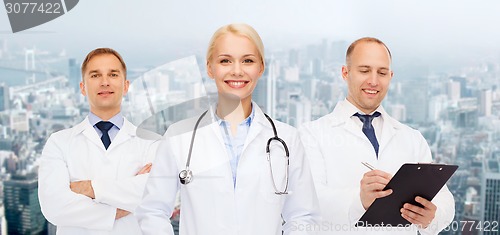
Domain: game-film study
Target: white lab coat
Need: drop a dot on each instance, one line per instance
(336, 146)
(77, 154)
(210, 204)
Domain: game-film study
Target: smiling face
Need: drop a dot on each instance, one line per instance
(104, 84)
(368, 75)
(235, 65)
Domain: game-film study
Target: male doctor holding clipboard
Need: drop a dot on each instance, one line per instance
(360, 130)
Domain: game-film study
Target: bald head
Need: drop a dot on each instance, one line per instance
(362, 40)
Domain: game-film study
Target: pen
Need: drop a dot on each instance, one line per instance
(368, 165)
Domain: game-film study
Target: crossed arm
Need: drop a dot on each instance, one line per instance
(80, 204)
(84, 187)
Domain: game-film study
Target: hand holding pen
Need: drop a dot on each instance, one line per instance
(372, 185)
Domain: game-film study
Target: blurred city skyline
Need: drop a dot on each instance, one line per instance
(445, 57)
(428, 33)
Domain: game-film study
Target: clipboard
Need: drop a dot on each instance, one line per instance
(411, 180)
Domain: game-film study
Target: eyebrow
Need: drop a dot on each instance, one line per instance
(369, 67)
(227, 55)
(112, 71)
(364, 66)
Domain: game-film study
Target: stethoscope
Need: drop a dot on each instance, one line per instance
(186, 175)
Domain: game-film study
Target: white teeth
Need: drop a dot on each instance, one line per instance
(236, 83)
(371, 91)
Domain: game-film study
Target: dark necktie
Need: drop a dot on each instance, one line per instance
(368, 128)
(104, 127)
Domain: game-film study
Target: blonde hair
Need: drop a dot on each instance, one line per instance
(241, 30)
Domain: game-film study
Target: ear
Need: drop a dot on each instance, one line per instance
(125, 87)
(82, 88)
(262, 68)
(209, 70)
(345, 72)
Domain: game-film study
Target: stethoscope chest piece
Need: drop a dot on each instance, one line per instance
(186, 176)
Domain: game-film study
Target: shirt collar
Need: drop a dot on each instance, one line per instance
(117, 120)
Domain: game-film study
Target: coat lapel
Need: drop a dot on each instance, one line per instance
(256, 127)
(389, 130)
(341, 116)
(89, 132)
(128, 131)
(215, 128)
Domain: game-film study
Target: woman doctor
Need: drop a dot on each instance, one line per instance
(230, 186)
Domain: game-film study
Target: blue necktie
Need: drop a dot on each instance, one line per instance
(104, 127)
(368, 128)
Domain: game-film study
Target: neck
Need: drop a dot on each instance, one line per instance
(105, 115)
(366, 111)
(234, 111)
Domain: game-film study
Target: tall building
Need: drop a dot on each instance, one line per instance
(453, 90)
(265, 93)
(22, 209)
(317, 66)
(260, 94)
(299, 110)
(464, 92)
(19, 120)
(338, 50)
(490, 194)
(271, 86)
(4, 97)
(1, 47)
(485, 102)
(74, 74)
(416, 99)
(465, 114)
(437, 106)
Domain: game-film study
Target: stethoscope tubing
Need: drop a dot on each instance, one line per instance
(186, 175)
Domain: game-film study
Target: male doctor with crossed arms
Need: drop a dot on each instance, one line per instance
(92, 176)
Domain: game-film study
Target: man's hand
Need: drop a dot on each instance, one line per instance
(121, 213)
(372, 184)
(418, 215)
(145, 169)
(83, 187)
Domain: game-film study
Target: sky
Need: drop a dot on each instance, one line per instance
(157, 31)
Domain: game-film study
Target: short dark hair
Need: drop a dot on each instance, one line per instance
(102, 51)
